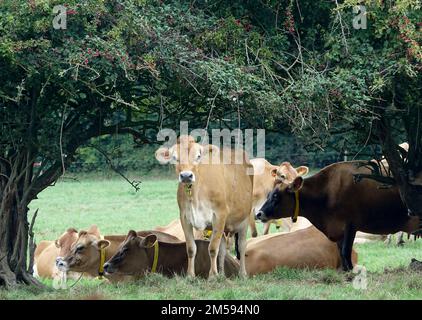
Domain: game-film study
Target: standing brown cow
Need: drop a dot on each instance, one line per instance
(213, 194)
(339, 206)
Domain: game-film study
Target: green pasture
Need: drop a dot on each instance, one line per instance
(115, 207)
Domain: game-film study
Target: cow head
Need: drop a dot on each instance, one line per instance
(65, 242)
(84, 255)
(285, 173)
(186, 154)
(132, 257)
(280, 201)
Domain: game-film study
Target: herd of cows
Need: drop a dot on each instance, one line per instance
(320, 217)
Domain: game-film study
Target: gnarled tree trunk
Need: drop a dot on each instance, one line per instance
(15, 195)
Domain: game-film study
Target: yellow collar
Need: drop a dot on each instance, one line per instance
(297, 205)
(102, 261)
(155, 262)
(188, 190)
(207, 234)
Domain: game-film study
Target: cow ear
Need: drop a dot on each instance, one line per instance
(57, 243)
(274, 172)
(102, 244)
(163, 155)
(296, 185)
(210, 151)
(94, 231)
(131, 234)
(149, 241)
(302, 170)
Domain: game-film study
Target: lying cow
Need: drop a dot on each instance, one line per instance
(140, 255)
(47, 253)
(339, 206)
(264, 176)
(90, 251)
(289, 226)
(306, 248)
(175, 229)
(212, 195)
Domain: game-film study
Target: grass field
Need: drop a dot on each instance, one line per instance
(115, 207)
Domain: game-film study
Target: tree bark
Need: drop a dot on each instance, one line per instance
(14, 183)
(410, 191)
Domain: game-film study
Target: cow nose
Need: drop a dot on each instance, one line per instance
(107, 267)
(258, 215)
(58, 259)
(186, 177)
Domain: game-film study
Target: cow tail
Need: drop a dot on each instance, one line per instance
(236, 245)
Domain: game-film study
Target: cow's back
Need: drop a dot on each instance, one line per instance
(367, 206)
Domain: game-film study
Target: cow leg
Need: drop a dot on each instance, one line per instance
(190, 245)
(242, 249)
(213, 248)
(388, 240)
(347, 246)
(222, 255)
(252, 223)
(400, 240)
(267, 226)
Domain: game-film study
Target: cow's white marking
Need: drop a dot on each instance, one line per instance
(187, 173)
(199, 214)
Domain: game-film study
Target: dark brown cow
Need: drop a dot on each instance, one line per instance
(136, 256)
(339, 206)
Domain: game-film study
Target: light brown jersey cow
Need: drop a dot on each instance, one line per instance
(215, 192)
(47, 253)
(85, 254)
(306, 248)
(136, 257)
(265, 174)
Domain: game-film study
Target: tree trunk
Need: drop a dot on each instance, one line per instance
(15, 178)
(410, 188)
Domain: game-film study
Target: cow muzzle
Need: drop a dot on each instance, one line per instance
(186, 177)
(61, 264)
(108, 268)
(260, 215)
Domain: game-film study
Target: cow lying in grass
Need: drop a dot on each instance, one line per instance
(140, 255)
(305, 248)
(91, 250)
(48, 252)
(175, 228)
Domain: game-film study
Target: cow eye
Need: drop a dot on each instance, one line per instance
(79, 248)
(275, 196)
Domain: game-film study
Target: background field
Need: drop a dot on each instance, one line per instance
(115, 207)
